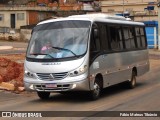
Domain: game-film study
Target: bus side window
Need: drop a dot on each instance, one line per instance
(115, 36)
(132, 38)
(138, 36)
(143, 38)
(103, 36)
(95, 42)
(95, 45)
(127, 37)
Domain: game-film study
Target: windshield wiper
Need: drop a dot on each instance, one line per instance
(65, 50)
(38, 54)
(41, 54)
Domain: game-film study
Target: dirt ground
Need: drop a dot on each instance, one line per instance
(12, 72)
(14, 57)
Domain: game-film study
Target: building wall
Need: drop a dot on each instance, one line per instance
(23, 18)
(146, 18)
(37, 16)
(43, 1)
(135, 5)
(136, 8)
(33, 20)
(20, 18)
(115, 2)
(119, 8)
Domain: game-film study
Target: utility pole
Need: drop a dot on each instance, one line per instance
(123, 7)
(158, 5)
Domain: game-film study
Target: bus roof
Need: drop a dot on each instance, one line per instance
(98, 17)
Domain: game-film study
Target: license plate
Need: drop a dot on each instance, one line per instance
(51, 85)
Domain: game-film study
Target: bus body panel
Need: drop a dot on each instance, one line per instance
(54, 67)
(73, 83)
(117, 67)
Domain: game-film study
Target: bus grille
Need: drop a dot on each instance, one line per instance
(52, 76)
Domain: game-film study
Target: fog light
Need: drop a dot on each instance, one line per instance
(31, 87)
(74, 86)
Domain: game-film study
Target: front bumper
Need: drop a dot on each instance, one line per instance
(52, 86)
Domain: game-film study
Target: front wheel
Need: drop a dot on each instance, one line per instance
(95, 93)
(132, 83)
(43, 95)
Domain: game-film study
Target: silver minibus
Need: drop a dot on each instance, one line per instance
(85, 53)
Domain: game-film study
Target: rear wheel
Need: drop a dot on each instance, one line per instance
(43, 95)
(95, 93)
(132, 82)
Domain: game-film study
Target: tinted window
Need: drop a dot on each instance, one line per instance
(115, 37)
(127, 37)
(103, 37)
(138, 37)
(143, 38)
(132, 38)
(95, 42)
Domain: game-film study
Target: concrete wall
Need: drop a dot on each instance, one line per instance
(146, 18)
(116, 2)
(135, 7)
(25, 34)
(9, 36)
(6, 21)
(29, 18)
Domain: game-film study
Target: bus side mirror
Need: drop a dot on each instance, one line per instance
(96, 33)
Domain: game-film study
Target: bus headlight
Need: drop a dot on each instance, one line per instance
(79, 71)
(29, 74)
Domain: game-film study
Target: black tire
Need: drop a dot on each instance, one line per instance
(95, 93)
(43, 95)
(132, 83)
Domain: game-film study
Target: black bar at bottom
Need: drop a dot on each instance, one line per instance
(79, 113)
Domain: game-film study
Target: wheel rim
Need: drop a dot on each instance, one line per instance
(133, 81)
(96, 90)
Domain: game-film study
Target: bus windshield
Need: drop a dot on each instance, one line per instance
(56, 40)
